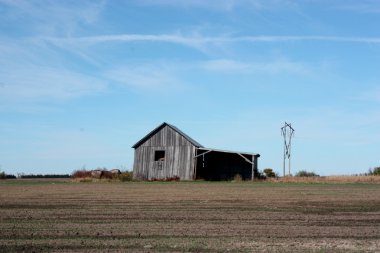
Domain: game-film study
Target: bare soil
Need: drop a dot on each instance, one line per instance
(59, 216)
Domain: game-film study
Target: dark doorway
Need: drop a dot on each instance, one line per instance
(159, 155)
(217, 165)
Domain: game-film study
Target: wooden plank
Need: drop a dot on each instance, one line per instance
(179, 153)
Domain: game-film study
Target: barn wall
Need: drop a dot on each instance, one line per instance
(166, 137)
(178, 162)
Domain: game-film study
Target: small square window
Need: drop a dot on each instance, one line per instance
(159, 155)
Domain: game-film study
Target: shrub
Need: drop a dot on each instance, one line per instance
(81, 174)
(237, 178)
(260, 175)
(101, 174)
(167, 179)
(126, 176)
(304, 173)
(44, 176)
(86, 180)
(107, 175)
(374, 172)
(10, 176)
(175, 178)
(6, 176)
(269, 172)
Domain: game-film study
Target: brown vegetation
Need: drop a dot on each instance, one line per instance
(167, 179)
(95, 175)
(81, 174)
(327, 179)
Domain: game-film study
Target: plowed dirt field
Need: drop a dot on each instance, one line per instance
(59, 216)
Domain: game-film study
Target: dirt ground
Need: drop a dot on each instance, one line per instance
(59, 216)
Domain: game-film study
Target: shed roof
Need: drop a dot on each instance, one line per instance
(154, 131)
(228, 151)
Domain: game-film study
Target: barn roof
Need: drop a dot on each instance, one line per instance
(228, 151)
(154, 131)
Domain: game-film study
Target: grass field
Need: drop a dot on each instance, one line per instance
(62, 216)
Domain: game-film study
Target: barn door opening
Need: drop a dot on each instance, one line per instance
(214, 165)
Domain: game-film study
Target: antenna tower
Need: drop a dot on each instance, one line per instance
(287, 132)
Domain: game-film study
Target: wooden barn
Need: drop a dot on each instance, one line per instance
(167, 152)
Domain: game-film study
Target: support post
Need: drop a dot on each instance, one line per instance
(289, 163)
(253, 167)
(195, 164)
(284, 159)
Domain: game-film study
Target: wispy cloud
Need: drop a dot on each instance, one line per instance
(197, 41)
(147, 77)
(276, 66)
(45, 83)
(220, 5)
(363, 6)
(50, 17)
(172, 38)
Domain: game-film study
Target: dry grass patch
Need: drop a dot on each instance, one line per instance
(328, 179)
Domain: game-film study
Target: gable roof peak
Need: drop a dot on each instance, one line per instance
(154, 131)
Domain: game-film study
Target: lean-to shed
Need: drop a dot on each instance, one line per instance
(167, 152)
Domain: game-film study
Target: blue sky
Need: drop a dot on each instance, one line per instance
(82, 81)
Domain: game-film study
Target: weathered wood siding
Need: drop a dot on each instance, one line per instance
(179, 157)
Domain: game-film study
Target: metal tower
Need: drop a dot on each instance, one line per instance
(287, 132)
